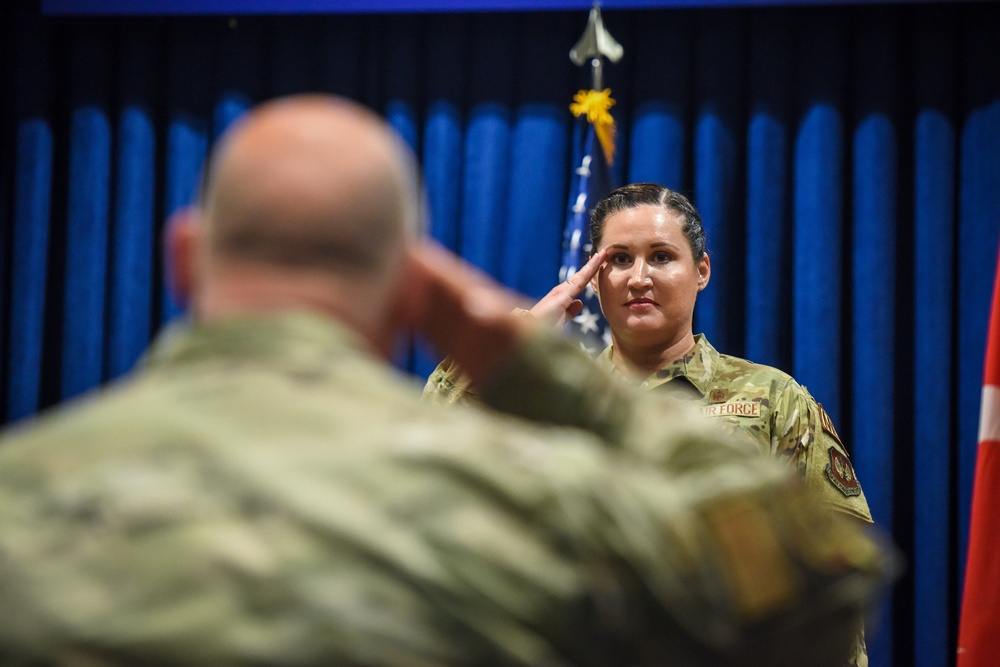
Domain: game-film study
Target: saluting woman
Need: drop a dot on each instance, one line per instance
(650, 262)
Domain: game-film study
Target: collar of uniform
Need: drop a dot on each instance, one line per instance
(297, 340)
(696, 366)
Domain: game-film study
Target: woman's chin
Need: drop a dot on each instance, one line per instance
(643, 323)
(642, 331)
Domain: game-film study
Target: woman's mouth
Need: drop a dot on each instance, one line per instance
(640, 303)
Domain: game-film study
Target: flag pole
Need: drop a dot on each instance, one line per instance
(591, 178)
(595, 43)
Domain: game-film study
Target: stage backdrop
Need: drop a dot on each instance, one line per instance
(846, 160)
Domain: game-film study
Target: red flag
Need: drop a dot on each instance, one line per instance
(979, 627)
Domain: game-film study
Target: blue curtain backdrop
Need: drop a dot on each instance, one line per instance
(846, 160)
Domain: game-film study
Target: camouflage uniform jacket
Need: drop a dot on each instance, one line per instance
(779, 414)
(776, 411)
(263, 491)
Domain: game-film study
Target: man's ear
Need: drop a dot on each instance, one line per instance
(182, 237)
(405, 308)
(410, 303)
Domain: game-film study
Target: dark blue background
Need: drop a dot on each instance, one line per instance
(109, 7)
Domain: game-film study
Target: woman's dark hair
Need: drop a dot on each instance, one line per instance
(652, 194)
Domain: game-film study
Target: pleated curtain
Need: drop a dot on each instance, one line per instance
(846, 161)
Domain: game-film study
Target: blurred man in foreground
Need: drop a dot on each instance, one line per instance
(266, 489)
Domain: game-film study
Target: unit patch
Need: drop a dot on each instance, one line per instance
(732, 409)
(841, 473)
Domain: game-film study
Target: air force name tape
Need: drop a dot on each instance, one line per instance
(733, 409)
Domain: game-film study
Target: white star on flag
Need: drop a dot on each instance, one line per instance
(588, 321)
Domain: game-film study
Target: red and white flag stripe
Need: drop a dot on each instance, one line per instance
(979, 625)
(989, 414)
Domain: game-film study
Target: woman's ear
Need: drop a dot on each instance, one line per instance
(182, 237)
(704, 272)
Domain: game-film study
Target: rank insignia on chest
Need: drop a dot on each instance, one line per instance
(717, 396)
(841, 473)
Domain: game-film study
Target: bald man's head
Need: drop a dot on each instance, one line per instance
(310, 182)
(309, 202)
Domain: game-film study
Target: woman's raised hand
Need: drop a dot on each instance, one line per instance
(560, 305)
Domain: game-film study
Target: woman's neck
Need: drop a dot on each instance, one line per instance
(638, 361)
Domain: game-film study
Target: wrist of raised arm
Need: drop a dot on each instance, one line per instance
(550, 380)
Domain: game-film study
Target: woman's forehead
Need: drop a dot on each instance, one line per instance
(645, 220)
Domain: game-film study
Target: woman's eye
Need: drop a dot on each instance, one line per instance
(620, 258)
(661, 257)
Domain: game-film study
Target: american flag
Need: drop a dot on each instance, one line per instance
(590, 180)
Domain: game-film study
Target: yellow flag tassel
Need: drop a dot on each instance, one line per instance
(596, 106)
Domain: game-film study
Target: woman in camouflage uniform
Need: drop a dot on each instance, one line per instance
(650, 262)
(657, 263)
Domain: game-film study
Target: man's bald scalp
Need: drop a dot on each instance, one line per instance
(311, 182)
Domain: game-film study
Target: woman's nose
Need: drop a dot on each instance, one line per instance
(639, 274)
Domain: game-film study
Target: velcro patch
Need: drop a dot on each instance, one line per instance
(733, 409)
(755, 565)
(841, 473)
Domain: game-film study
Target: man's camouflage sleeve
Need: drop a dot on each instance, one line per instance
(448, 385)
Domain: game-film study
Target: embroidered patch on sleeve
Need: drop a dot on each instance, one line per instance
(827, 424)
(841, 473)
